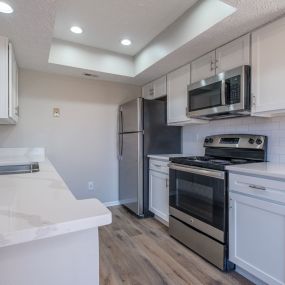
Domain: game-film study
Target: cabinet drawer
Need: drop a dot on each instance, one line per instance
(158, 165)
(268, 189)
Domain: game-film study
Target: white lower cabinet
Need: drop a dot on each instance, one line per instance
(159, 194)
(257, 227)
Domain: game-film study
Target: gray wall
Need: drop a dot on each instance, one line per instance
(82, 142)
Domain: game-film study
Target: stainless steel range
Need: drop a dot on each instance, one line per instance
(199, 196)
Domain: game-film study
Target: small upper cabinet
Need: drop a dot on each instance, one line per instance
(147, 91)
(203, 67)
(159, 87)
(8, 83)
(177, 82)
(268, 70)
(155, 89)
(233, 54)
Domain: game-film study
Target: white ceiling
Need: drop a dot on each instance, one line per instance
(31, 29)
(106, 22)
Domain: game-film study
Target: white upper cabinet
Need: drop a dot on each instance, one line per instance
(268, 69)
(147, 91)
(8, 83)
(203, 67)
(233, 54)
(177, 82)
(159, 87)
(155, 89)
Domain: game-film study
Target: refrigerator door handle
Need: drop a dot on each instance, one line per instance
(122, 145)
(121, 121)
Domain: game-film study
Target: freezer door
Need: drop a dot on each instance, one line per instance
(130, 116)
(131, 172)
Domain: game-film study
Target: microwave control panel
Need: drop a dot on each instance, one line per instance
(233, 90)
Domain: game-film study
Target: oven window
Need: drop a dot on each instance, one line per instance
(200, 196)
(205, 97)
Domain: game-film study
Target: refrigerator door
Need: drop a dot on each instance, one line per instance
(130, 116)
(131, 172)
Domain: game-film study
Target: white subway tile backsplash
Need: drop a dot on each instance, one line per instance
(274, 128)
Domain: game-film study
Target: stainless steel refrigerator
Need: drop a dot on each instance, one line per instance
(143, 130)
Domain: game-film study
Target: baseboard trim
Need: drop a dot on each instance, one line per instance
(112, 203)
(249, 276)
(161, 220)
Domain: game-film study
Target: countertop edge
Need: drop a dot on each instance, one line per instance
(53, 230)
(250, 170)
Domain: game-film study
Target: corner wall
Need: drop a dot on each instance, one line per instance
(82, 142)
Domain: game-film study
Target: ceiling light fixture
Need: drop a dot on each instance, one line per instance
(126, 42)
(5, 8)
(76, 30)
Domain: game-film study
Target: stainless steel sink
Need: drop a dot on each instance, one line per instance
(20, 168)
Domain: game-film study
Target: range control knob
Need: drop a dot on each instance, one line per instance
(259, 141)
(206, 140)
(211, 140)
(251, 141)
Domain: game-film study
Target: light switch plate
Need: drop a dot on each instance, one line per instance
(56, 112)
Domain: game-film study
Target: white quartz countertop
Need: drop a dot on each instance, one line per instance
(40, 205)
(166, 156)
(268, 169)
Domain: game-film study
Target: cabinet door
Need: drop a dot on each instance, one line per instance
(148, 91)
(233, 54)
(268, 72)
(4, 78)
(177, 82)
(203, 67)
(159, 194)
(13, 86)
(257, 237)
(159, 87)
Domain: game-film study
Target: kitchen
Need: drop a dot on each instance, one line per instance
(142, 142)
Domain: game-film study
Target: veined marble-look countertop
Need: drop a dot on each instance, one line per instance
(39, 205)
(267, 169)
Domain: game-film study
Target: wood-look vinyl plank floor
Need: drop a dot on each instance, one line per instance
(140, 252)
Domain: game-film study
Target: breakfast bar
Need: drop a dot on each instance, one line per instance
(44, 229)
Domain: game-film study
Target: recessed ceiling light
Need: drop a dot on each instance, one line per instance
(76, 30)
(5, 8)
(126, 42)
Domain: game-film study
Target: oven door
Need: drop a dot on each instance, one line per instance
(197, 197)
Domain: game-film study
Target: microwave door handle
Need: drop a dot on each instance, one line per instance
(223, 92)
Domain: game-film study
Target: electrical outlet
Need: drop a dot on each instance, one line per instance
(56, 112)
(91, 186)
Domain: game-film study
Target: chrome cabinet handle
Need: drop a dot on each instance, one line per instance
(216, 63)
(166, 183)
(212, 66)
(257, 187)
(253, 100)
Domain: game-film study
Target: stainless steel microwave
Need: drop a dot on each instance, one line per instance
(222, 96)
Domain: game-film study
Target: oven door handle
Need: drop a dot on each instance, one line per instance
(197, 170)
